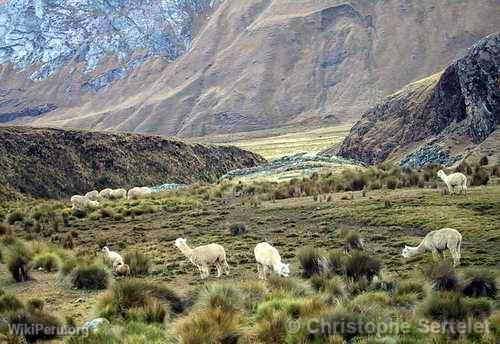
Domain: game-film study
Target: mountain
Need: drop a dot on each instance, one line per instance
(58, 163)
(243, 64)
(440, 119)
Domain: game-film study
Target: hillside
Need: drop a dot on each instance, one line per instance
(255, 64)
(57, 163)
(440, 119)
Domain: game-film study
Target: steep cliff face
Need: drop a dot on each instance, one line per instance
(264, 63)
(58, 163)
(436, 119)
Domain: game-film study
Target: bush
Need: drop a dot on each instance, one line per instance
(312, 261)
(483, 161)
(9, 303)
(444, 306)
(480, 283)
(362, 266)
(392, 183)
(480, 177)
(47, 261)
(443, 276)
(127, 297)
(139, 263)
(18, 263)
(35, 304)
(353, 242)
(39, 320)
(15, 216)
(92, 276)
(478, 307)
(79, 214)
(336, 263)
(375, 185)
(5, 229)
(238, 228)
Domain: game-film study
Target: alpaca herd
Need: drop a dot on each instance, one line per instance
(267, 257)
(91, 200)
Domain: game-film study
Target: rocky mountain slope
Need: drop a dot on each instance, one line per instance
(439, 119)
(257, 64)
(58, 163)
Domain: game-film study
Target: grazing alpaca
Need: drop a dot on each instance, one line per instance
(454, 180)
(437, 242)
(204, 256)
(112, 258)
(122, 270)
(268, 258)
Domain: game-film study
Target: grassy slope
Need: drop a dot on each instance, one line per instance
(288, 224)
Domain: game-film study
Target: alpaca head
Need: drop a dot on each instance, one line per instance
(180, 243)
(407, 252)
(283, 270)
(441, 174)
(105, 249)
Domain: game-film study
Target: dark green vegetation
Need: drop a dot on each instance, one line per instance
(79, 161)
(166, 300)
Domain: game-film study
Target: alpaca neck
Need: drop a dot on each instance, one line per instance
(416, 250)
(444, 178)
(186, 250)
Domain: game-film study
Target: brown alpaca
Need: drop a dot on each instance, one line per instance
(122, 270)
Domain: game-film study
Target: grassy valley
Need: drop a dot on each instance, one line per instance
(306, 219)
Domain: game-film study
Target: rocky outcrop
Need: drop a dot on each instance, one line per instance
(59, 163)
(436, 119)
(254, 64)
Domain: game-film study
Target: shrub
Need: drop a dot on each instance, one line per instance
(238, 228)
(444, 306)
(47, 261)
(43, 322)
(15, 216)
(336, 262)
(5, 229)
(392, 183)
(95, 216)
(35, 304)
(375, 185)
(67, 266)
(478, 307)
(92, 276)
(79, 214)
(18, 263)
(67, 241)
(362, 266)
(480, 177)
(358, 183)
(129, 295)
(9, 302)
(353, 242)
(480, 283)
(139, 263)
(312, 261)
(443, 276)
(483, 161)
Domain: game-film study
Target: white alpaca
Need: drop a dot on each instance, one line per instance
(92, 195)
(83, 203)
(118, 194)
(112, 258)
(105, 193)
(139, 192)
(268, 258)
(204, 256)
(454, 180)
(437, 242)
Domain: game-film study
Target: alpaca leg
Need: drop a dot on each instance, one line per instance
(435, 255)
(219, 269)
(265, 272)
(259, 272)
(226, 267)
(206, 271)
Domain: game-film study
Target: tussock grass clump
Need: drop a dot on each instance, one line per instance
(444, 306)
(362, 266)
(107, 213)
(131, 297)
(47, 261)
(288, 286)
(312, 261)
(333, 287)
(480, 283)
(340, 322)
(252, 292)
(238, 228)
(9, 302)
(91, 276)
(494, 321)
(5, 229)
(14, 217)
(79, 214)
(35, 304)
(372, 298)
(19, 262)
(409, 292)
(353, 241)
(443, 276)
(480, 177)
(139, 263)
(42, 321)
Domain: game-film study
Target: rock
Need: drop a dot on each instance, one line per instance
(437, 119)
(96, 324)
